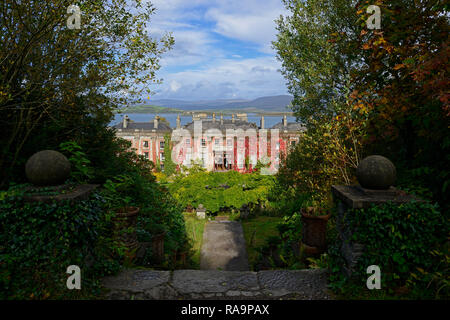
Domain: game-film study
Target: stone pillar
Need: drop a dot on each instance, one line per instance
(262, 123)
(178, 122)
(380, 173)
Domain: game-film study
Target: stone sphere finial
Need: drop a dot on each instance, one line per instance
(47, 168)
(376, 172)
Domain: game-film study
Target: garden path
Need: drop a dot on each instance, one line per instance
(224, 247)
(224, 276)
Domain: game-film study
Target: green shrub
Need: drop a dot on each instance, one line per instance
(159, 212)
(39, 241)
(406, 241)
(220, 190)
(81, 170)
(162, 214)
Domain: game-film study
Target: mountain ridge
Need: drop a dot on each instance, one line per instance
(269, 103)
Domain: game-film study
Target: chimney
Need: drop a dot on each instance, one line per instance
(242, 117)
(232, 118)
(156, 122)
(221, 119)
(178, 122)
(126, 120)
(214, 118)
(262, 122)
(285, 121)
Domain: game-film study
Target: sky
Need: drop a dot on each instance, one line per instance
(222, 49)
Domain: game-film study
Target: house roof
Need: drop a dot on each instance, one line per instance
(143, 126)
(291, 126)
(227, 124)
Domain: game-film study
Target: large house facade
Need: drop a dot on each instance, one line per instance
(216, 144)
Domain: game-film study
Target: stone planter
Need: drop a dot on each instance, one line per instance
(158, 247)
(315, 231)
(122, 222)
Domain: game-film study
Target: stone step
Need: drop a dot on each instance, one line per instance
(310, 284)
(222, 218)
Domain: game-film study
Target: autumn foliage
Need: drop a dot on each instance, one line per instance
(390, 85)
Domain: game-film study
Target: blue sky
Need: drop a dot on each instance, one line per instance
(222, 49)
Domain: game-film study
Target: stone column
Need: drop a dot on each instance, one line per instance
(376, 176)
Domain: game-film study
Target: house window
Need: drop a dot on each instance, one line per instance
(278, 146)
(217, 142)
(293, 142)
(230, 142)
(146, 155)
(162, 158)
(161, 144)
(188, 142)
(203, 142)
(145, 144)
(162, 167)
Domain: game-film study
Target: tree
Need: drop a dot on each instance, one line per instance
(328, 153)
(394, 79)
(403, 88)
(312, 44)
(58, 83)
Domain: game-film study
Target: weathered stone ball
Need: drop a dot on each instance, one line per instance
(47, 168)
(376, 172)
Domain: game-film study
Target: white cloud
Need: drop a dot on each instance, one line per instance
(259, 29)
(204, 66)
(174, 86)
(226, 78)
(191, 47)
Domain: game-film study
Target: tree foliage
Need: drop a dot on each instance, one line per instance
(403, 88)
(328, 153)
(394, 79)
(317, 66)
(57, 83)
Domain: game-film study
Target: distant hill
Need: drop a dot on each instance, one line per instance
(273, 103)
(142, 108)
(267, 104)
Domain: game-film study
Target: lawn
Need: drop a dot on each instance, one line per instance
(194, 229)
(256, 231)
